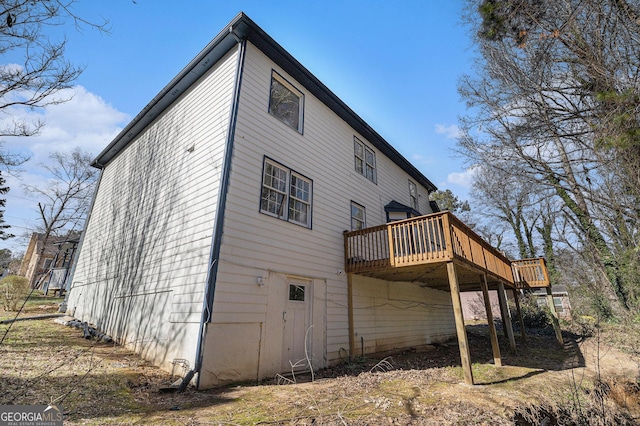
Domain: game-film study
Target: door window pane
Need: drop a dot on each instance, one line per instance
(296, 292)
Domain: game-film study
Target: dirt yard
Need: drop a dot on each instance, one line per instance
(103, 384)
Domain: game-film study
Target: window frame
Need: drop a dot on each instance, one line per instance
(413, 195)
(276, 77)
(364, 215)
(284, 209)
(296, 290)
(361, 160)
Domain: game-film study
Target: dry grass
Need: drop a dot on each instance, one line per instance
(103, 384)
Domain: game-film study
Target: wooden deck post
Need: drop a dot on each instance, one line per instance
(352, 336)
(497, 359)
(463, 343)
(506, 317)
(554, 316)
(516, 297)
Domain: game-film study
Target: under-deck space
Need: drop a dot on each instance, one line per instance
(441, 252)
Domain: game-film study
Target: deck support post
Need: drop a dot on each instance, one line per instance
(463, 343)
(506, 317)
(554, 316)
(497, 359)
(516, 298)
(352, 336)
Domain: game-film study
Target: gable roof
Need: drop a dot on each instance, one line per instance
(241, 27)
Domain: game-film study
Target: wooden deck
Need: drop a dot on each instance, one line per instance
(418, 249)
(440, 251)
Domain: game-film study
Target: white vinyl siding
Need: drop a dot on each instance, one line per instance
(258, 246)
(144, 258)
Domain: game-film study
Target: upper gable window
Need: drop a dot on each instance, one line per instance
(365, 160)
(286, 102)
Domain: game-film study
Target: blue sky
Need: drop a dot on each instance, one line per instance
(395, 63)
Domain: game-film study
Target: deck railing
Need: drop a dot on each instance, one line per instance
(530, 273)
(433, 238)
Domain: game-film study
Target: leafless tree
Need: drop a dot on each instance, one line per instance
(556, 99)
(38, 71)
(43, 70)
(67, 195)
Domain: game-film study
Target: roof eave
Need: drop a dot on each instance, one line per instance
(239, 28)
(217, 48)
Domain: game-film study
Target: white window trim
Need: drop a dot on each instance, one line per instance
(364, 215)
(365, 150)
(413, 198)
(285, 214)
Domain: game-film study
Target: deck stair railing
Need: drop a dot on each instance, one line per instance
(530, 273)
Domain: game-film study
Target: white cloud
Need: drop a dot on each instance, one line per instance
(464, 179)
(84, 121)
(422, 159)
(450, 132)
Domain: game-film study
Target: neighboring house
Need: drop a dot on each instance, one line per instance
(560, 300)
(36, 261)
(222, 232)
(473, 304)
(56, 276)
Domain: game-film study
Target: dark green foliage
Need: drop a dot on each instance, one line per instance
(446, 200)
(534, 315)
(601, 306)
(509, 19)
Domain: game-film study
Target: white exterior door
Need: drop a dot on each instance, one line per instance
(296, 321)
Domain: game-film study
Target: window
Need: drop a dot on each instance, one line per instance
(296, 292)
(365, 160)
(286, 102)
(285, 194)
(357, 217)
(413, 195)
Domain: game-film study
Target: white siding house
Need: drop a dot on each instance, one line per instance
(215, 239)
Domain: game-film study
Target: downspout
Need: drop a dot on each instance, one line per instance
(207, 309)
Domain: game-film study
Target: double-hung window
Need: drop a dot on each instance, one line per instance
(413, 195)
(357, 217)
(286, 102)
(365, 160)
(286, 194)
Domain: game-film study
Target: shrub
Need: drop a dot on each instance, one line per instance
(534, 315)
(13, 289)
